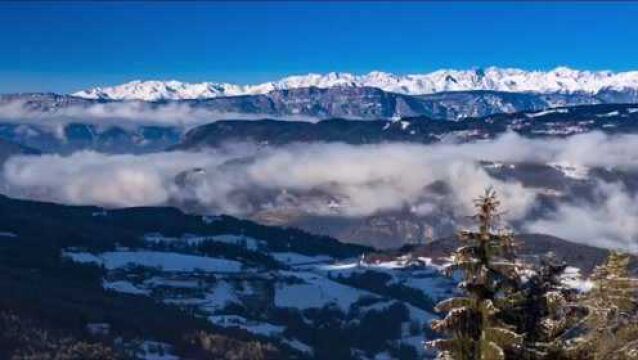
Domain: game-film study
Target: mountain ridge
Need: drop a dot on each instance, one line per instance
(310, 104)
(555, 122)
(559, 80)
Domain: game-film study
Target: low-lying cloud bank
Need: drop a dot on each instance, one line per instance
(126, 114)
(611, 222)
(348, 180)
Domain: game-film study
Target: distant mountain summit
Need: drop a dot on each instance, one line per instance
(559, 80)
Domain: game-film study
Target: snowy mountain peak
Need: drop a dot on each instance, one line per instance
(159, 90)
(559, 80)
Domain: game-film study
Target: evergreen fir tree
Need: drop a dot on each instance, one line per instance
(610, 328)
(485, 259)
(540, 310)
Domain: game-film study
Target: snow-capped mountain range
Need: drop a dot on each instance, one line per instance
(558, 80)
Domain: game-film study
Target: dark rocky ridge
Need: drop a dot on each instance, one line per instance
(63, 124)
(610, 118)
(350, 102)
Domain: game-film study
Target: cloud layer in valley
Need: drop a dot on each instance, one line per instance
(348, 180)
(125, 114)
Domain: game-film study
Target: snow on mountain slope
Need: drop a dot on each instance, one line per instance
(558, 80)
(166, 261)
(300, 291)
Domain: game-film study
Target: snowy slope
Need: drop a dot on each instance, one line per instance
(301, 292)
(167, 261)
(558, 80)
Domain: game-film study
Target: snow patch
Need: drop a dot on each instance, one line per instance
(255, 327)
(314, 291)
(572, 278)
(123, 286)
(547, 112)
(294, 259)
(166, 261)
(572, 171)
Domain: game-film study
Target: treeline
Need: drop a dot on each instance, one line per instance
(47, 303)
(511, 309)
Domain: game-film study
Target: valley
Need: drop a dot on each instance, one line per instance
(311, 218)
(230, 277)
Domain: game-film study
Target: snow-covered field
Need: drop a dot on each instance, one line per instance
(231, 293)
(216, 288)
(315, 291)
(165, 261)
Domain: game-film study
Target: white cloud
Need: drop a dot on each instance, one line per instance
(126, 114)
(363, 180)
(366, 179)
(610, 223)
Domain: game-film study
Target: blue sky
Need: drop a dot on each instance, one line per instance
(69, 46)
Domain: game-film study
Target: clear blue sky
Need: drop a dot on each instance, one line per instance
(70, 46)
